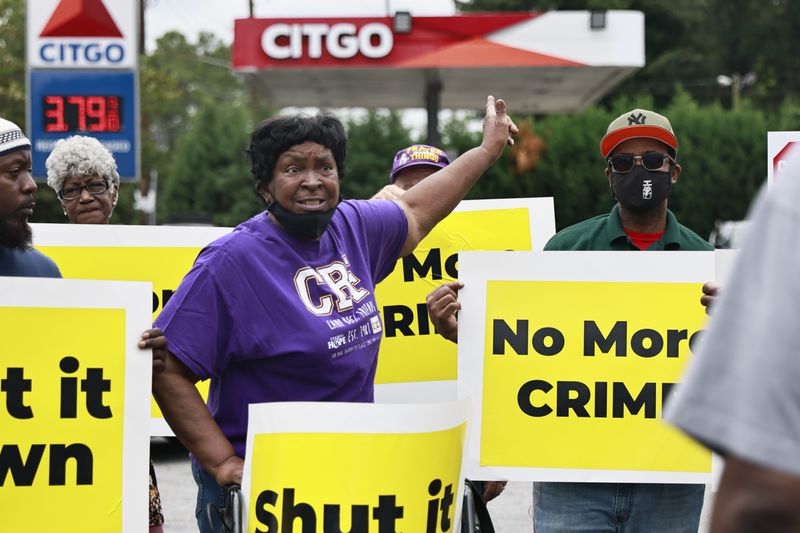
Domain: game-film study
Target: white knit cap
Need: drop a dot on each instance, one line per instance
(12, 138)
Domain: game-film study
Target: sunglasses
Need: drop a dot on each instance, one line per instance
(650, 161)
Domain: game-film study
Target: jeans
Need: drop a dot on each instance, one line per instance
(208, 491)
(616, 507)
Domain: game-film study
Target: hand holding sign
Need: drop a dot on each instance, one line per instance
(443, 305)
(154, 339)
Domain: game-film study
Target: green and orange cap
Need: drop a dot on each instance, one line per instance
(639, 123)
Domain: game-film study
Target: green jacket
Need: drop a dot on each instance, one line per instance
(604, 232)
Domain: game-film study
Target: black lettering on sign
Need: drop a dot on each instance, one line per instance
(386, 514)
(545, 341)
(592, 336)
(451, 266)
(15, 386)
(540, 341)
(654, 340)
(573, 398)
(502, 334)
(439, 508)
(398, 318)
(572, 395)
(644, 342)
(623, 400)
(524, 398)
(93, 385)
(401, 318)
(431, 265)
(24, 471)
(166, 294)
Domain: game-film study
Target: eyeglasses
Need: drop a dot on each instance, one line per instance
(93, 187)
(650, 161)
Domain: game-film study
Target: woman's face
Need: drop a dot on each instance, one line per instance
(304, 180)
(88, 208)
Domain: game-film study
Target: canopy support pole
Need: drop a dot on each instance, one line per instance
(433, 103)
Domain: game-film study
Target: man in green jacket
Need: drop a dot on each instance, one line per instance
(640, 150)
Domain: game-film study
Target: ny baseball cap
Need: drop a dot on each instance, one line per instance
(12, 138)
(418, 154)
(639, 123)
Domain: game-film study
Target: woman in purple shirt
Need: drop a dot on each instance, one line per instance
(283, 308)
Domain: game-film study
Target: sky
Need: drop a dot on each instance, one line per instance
(193, 16)
(217, 16)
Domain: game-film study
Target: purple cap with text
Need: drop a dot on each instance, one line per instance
(418, 154)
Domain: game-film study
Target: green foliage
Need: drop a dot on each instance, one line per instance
(209, 173)
(722, 154)
(371, 144)
(180, 81)
(12, 60)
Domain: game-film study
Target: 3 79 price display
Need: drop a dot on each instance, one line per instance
(82, 113)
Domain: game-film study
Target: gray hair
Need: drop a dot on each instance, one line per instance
(80, 156)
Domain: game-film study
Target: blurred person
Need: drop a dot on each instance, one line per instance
(84, 175)
(256, 311)
(640, 151)
(410, 166)
(740, 396)
(17, 188)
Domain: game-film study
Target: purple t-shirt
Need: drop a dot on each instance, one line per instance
(270, 318)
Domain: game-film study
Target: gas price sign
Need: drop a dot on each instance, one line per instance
(101, 104)
(82, 113)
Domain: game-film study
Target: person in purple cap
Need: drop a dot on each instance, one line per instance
(410, 166)
(283, 307)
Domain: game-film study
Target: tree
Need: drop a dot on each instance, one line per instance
(12, 61)
(371, 144)
(209, 175)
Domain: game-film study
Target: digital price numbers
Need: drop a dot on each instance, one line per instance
(82, 113)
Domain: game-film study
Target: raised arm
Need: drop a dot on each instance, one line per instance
(432, 199)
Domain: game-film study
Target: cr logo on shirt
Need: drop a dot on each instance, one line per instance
(342, 284)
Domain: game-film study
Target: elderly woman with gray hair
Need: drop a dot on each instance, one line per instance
(84, 175)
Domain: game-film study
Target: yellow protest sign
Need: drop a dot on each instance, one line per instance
(354, 467)
(575, 373)
(411, 351)
(160, 255)
(74, 401)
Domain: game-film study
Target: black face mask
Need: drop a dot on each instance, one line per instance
(641, 190)
(303, 226)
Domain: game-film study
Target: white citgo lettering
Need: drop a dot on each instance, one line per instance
(385, 40)
(301, 280)
(342, 40)
(269, 41)
(315, 33)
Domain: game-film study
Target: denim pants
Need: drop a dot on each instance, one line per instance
(616, 507)
(208, 491)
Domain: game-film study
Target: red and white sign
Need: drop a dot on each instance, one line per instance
(82, 33)
(463, 41)
(781, 146)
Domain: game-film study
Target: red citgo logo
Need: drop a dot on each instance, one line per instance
(81, 18)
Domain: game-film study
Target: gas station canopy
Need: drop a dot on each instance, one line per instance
(558, 61)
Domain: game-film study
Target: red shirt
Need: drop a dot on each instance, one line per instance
(643, 240)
